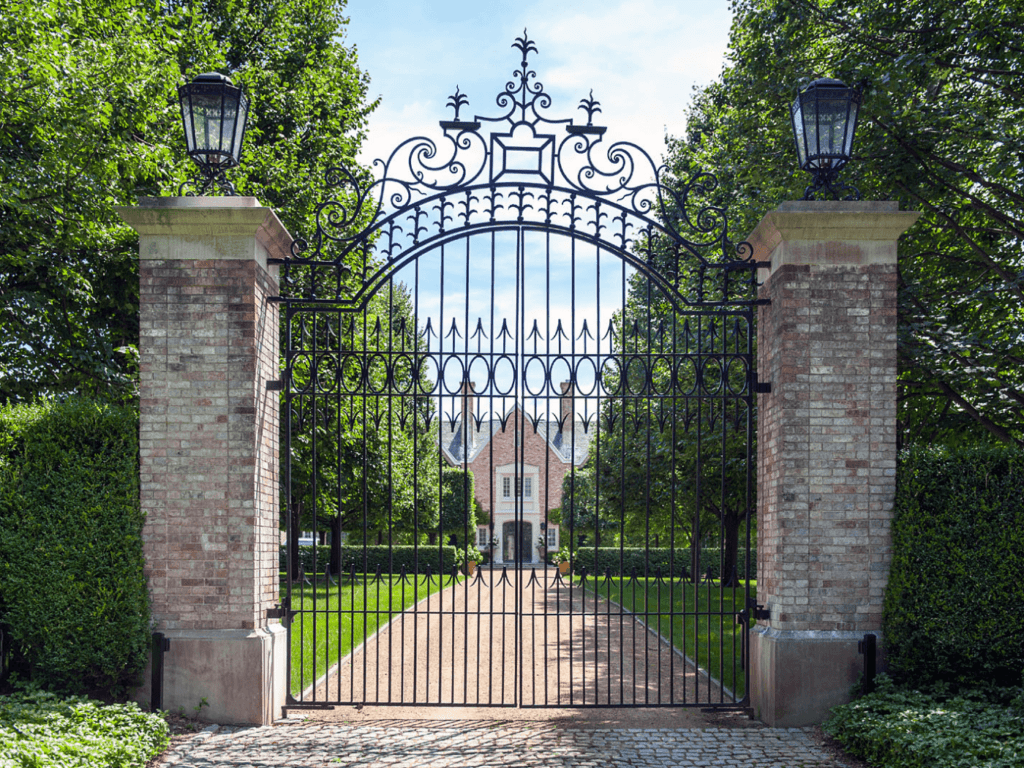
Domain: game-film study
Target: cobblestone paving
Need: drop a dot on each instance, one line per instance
(488, 743)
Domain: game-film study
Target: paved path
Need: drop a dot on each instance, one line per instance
(459, 646)
(439, 744)
(614, 658)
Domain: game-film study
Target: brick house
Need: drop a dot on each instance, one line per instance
(517, 472)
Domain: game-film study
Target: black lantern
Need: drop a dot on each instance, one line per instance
(824, 118)
(214, 112)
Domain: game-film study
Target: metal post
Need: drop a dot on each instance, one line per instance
(160, 646)
(868, 648)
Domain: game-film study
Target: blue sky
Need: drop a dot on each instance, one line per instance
(642, 59)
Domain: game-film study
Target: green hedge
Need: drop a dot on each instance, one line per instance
(954, 607)
(655, 560)
(388, 559)
(72, 588)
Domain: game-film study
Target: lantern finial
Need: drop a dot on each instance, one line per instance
(824, 119)
(214, 113)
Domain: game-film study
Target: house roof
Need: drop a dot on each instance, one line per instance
(570, 442)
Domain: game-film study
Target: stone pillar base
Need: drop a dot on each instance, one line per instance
(242, 674)
(796, 677)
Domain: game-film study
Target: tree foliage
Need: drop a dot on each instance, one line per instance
(941, 132)
(89, 120)
(363, 457)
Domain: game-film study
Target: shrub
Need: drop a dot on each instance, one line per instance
(954, 607)
(43, 730)
(388, 559)
(902, 728)
(458, 505)
(72, 588)
(654, 561)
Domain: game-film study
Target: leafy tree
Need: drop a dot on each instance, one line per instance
(941, 132)
(373, 438)
(89, 120)
(458, 505)
(671, 460)
(582, 513)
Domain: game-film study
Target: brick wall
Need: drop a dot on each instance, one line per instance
(208, 441)
(827, 444)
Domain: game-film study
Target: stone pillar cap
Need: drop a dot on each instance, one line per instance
(212, 218)
(830, 232)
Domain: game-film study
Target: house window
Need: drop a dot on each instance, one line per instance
(552, 538)
(481, 538)
(506, 487)
(524, 483)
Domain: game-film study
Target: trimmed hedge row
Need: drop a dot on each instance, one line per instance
(954, 607)
(72, 588)
(388, 559)
(655, 560)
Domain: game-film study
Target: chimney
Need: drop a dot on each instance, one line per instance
(466, 422)
(567, 412)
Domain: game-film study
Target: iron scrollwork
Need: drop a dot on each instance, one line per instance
(524, 169)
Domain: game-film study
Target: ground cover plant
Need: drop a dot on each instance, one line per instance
(680, 612)
(347, 612)
(44, 730)
(903, 728)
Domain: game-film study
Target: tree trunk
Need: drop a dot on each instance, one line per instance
(336, 545)
(295, 510)
(730, 560)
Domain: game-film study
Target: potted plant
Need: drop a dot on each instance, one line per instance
(467, 559)
(561, 559)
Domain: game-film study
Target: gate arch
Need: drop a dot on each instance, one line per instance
(630, 424)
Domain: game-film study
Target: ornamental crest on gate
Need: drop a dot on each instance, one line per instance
(519, 169)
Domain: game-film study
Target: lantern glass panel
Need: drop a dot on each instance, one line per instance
(798, 129)
(832, 114)
(241, 117)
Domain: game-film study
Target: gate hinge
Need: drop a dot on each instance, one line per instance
(758, 611)
(761, 387)
(275, 385)
(277, 612)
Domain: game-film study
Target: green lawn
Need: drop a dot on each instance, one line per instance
(318, 641)
(714, 641)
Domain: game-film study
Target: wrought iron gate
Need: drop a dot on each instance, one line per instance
(523, 325)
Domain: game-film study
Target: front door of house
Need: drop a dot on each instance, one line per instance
(516, 538)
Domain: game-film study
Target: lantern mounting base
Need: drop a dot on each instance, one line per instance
(825, 182)
(210, 180)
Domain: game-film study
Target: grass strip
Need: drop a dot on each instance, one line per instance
(346, 613)
(699, 620)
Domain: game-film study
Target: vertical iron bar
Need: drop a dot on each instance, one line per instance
(468, 507)
(696, 542)
(289, 491)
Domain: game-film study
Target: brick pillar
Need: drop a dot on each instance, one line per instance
(826, 448)
(209, 450)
